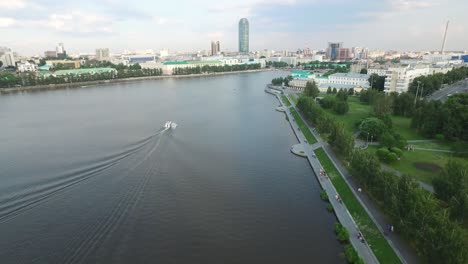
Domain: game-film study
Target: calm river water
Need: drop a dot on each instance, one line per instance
(89, 176)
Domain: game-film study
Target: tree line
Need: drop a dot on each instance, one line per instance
(280, 80)
(338, 137)
(30, 79)
(434, 228)
(210, 69)
(415, 213)
(313, 65)
(430, 83)
(447, 120)
(433, 119)
(278, 64)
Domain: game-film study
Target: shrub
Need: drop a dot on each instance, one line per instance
(328, 102)
(382, 153)
(397, 151)
(391, 157)
(329, 208)
(341, 107)
(439, 137)
(324, 195)
(350, 254)
(341, 232)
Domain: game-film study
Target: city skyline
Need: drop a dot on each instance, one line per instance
(35, 26)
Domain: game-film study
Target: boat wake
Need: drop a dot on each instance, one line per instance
(35, 193)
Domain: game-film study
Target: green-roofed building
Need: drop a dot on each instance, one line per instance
(84, 71)
(301, 74)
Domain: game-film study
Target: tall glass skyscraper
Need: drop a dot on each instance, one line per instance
(244, 35)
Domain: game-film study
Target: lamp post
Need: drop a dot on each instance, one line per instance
(417, 90)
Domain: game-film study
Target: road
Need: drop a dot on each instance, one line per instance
(442, 95)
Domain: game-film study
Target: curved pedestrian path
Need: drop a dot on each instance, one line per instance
(341, 212)
(400, 246)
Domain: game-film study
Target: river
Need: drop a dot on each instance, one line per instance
(90, 175)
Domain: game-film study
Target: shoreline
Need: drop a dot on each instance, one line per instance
(5, 91)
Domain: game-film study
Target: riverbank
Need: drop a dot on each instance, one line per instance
(101, 82)
(343, 215)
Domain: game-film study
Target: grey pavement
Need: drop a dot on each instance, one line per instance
(341, 212)
(400, 246)
(443, 94)
(423, 185)
(439, 150)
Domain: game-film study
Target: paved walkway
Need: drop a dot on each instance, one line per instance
(341, 212)
(423, 185)
(400, 246)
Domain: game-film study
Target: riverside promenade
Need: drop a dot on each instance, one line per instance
(345, 218)
(400, 246)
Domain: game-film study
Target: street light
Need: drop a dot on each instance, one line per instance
(417, 90)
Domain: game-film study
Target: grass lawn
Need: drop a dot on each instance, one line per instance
(357, 112)
(293, 97)
(305, 130)
(422, 165)
(285, 100)
(379, 245)
(444, 145)
(401, 125)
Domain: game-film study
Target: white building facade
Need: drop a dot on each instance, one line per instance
(399, 78)
(8, 59)
(351, 79)
(27, 67)
(378, 71)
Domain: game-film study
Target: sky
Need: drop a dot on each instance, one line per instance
(32, 26)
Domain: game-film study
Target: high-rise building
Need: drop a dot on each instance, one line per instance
(343, 54)
(60, 49)
(102, 54)
(50, 53)
(243, 35)
(8, 59)
(333, 50)
(215, 48)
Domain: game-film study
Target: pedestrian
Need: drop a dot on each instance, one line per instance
(391, 228)
(337, 197)
(359, 189)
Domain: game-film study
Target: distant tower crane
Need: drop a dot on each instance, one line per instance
(445, 38)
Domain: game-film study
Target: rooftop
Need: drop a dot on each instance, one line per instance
(192, 62)
(350, 75)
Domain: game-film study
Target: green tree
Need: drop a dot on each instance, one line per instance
(334, 91)
(311, 89)
(341, 107)
(329, 90)
(372, 127)
(377, 82)
(382, 105)
(363, 71)
(451, 186)
(328, 102)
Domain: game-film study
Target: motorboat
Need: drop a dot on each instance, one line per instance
(170, 124)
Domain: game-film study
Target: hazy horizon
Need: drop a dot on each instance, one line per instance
(33, 27)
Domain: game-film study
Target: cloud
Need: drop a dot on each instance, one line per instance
(410, 5)
(79, 22)
(6, 22)
(12, 4)
(246, 8)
